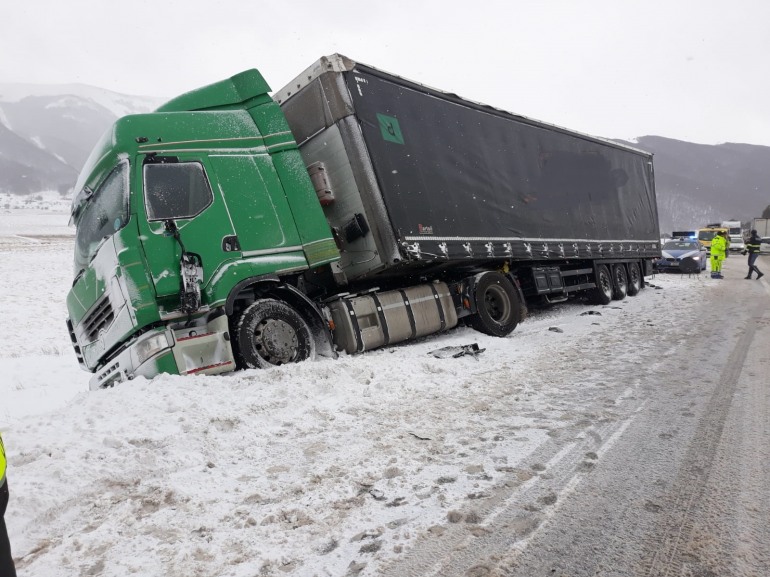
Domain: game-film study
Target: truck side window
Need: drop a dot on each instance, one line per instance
(104, 215)
(176, 190)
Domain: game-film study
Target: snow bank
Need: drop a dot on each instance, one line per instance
(321, 468)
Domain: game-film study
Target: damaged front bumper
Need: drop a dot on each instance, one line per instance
(203, 350)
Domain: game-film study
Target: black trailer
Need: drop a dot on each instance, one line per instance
(416, 181)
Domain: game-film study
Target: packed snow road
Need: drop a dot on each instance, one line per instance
(666, 474)
(629, 441)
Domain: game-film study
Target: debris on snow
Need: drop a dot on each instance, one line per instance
(457, 351)
(377, 494)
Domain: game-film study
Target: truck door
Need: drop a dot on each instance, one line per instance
(257, 204)
(179, 188)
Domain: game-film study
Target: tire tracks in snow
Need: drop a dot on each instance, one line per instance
(513, 512)
(667, 550)
(503, 524)
(520, 509)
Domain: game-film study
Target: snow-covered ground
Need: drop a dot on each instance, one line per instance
(47, 202)
(324, 468)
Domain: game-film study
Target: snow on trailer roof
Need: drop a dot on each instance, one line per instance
(340, 63)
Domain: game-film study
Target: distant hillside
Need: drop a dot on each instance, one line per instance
(698, 184)
(47, 132)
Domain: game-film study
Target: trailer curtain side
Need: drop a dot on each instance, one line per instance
(452, 179)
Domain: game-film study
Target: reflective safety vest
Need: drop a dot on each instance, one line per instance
(718, 245)
(2, 462)
(752, 245)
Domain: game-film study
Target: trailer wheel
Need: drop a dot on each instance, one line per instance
(271, 333)
(634, 279)
(619, 282)
(498, 306)
(602, 294)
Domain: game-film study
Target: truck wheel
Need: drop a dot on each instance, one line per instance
(619, 282)
(498, 306)
(271, 333)
(634, 279)
(602, 294)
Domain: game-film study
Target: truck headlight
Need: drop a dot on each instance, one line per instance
(151, 347)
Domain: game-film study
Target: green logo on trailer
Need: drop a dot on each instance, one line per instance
(390, 129)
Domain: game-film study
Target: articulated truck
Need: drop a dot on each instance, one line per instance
(351, 210)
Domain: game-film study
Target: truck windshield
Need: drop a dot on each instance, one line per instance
(104, 215)
(706, 234)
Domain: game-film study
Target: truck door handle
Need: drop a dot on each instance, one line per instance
(230, 243)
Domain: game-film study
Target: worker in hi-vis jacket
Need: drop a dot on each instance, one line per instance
(7, 568)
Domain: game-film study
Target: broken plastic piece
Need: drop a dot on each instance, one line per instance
(457, 351)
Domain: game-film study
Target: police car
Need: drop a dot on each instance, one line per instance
(685, 255)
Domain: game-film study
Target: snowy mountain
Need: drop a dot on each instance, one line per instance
(117, 104)
(698, 184)
(47, 131)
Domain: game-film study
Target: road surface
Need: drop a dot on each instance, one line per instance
(629, 443)
(668, 473)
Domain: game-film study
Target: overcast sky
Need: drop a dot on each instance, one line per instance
(695, 70)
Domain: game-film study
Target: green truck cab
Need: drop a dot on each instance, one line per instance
(185, 216)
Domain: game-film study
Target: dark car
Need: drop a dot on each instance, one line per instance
(685, 255)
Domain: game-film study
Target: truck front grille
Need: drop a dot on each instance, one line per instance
(75, 345)
(99, 318)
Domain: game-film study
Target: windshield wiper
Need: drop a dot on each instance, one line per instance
(98, 246)
(77, 276)
(80, 201)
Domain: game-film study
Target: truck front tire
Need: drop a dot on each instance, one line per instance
(498, 306)
(271, 333)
